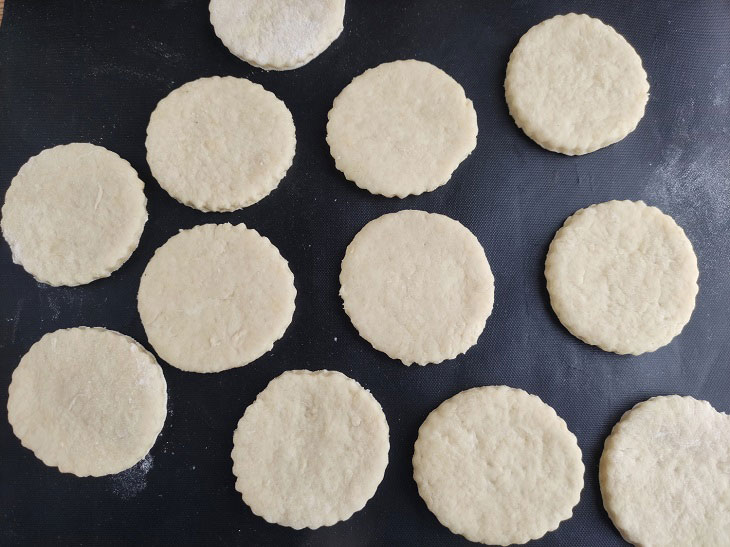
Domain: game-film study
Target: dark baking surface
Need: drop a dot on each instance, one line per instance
(93, 71)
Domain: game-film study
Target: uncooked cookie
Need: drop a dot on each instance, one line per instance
(665, 473)
(89, 401)
(498, 466)
(311, 450)
(622, 276)
(417, 286)
(277, 34)
(74, 213)
(220, 144)
(401, 128)
(575, 85)
(215, 297)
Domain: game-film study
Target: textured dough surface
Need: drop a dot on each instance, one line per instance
(575, 85)
(220, 144)
(401, 128)
(74, 213)
(89, 401)
(665, 474)
(215, 297)
(622, 276)
(417, 286)
(311, 450)
(277, 34)
(498, 466)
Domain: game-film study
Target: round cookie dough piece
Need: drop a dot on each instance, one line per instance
(220, 144)
(417, 286)
(401, 128)
(89, 401)
(311, 450)
(498, 466)
(622, 276)
(74, 213)
(277, 34)
(575, 85)
(215, 297)
(665, 473)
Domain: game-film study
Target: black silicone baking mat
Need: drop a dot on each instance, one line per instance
(93, 71)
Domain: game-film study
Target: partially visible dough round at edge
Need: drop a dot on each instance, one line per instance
(665, 473)
(277, 34)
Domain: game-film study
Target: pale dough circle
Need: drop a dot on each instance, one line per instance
(89, 401)
(622, 276)
(220, 144)
(311, 450)
(401, 128)
(665, 473)
(417, 286)
(74, 213)
(215, 297)
(575, 85)
(277, 34)
(498, 466)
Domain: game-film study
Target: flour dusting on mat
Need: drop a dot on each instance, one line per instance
(131, 482)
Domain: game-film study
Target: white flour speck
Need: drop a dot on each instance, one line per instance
(131, 482)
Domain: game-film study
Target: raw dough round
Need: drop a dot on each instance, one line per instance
(277, 34)
(575, 85)
(74, 213)
(89, 401)
(665, 473)
(215, 297)
(622, 276)
(311, 450)
(417, 286)
(498, 466)
(401, 128)
(220, 144)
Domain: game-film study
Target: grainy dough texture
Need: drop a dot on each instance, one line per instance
(311, 450)
(401, 128)
(622, 276)
(665, 474)
(417, 286)
(220, 144)
(74, 213)
(215, 297)
(277, 34)
(89, 401)
(498, 466)
(575, 85)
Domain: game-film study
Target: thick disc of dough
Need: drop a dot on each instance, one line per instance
(89, 401)
(575, 85)
(74, 213)
(665, 473)
(277, 34)
(401, 128)
(215, 297)
(417, 286)
(498, 466)
(622, 276)
(220, 144)
(311, 450)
